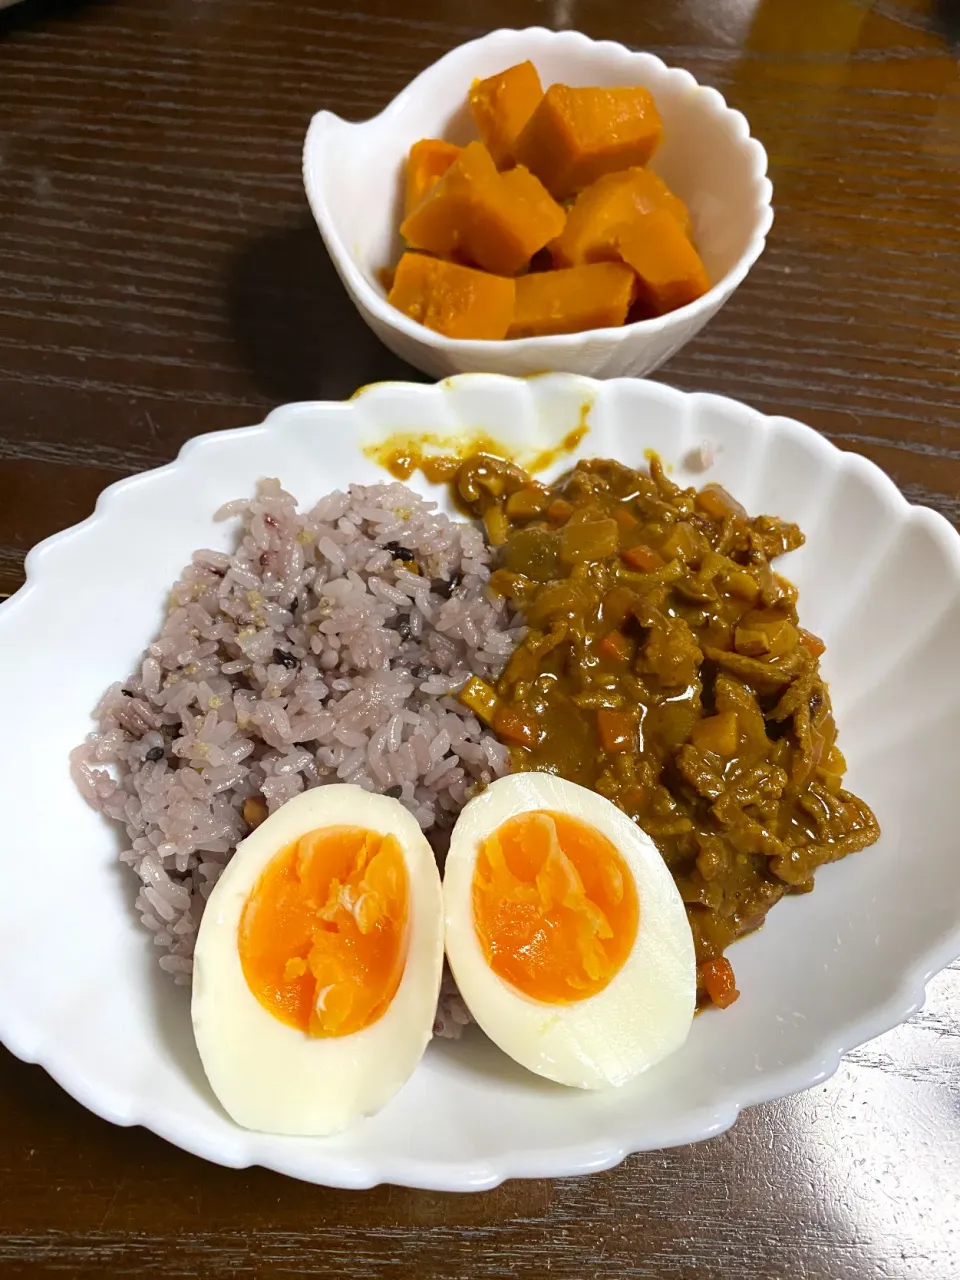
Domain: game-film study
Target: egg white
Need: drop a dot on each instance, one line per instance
(270, 1076)
(645, 1011)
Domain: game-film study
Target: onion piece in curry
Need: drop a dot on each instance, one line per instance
(665, 667)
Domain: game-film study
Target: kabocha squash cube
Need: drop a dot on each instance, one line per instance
(577, 135)
(541, 209)
(502, 105)
(428, 161)
(669, 270)
(551, 224)
(478, 216)
(593, 221)
(596, 296)
(451, 299)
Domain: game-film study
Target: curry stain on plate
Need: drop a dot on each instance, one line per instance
(439, 457)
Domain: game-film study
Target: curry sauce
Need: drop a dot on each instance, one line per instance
(664, 666)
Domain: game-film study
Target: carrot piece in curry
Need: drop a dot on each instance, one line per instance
(716, 978)
(643, 558)
(813, 644)
(513, 726)
(616, 647)
(558, 511)
(617, 729)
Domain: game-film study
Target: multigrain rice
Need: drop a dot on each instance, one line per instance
(325, 649)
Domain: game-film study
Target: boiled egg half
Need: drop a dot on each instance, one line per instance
(565, 932)
(318, 963)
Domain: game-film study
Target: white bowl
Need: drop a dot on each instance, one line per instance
(80, 989)
(353, 176)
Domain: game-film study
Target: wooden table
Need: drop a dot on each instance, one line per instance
(160, 276)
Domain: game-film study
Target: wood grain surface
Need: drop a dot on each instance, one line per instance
(160, 277)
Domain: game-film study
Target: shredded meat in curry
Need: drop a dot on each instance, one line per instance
(664, 666)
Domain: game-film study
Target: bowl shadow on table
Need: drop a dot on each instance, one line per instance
(298, 333)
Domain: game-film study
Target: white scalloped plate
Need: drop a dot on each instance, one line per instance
(80, 991)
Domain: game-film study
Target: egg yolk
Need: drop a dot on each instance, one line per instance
(323, 934)
(554, 905)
